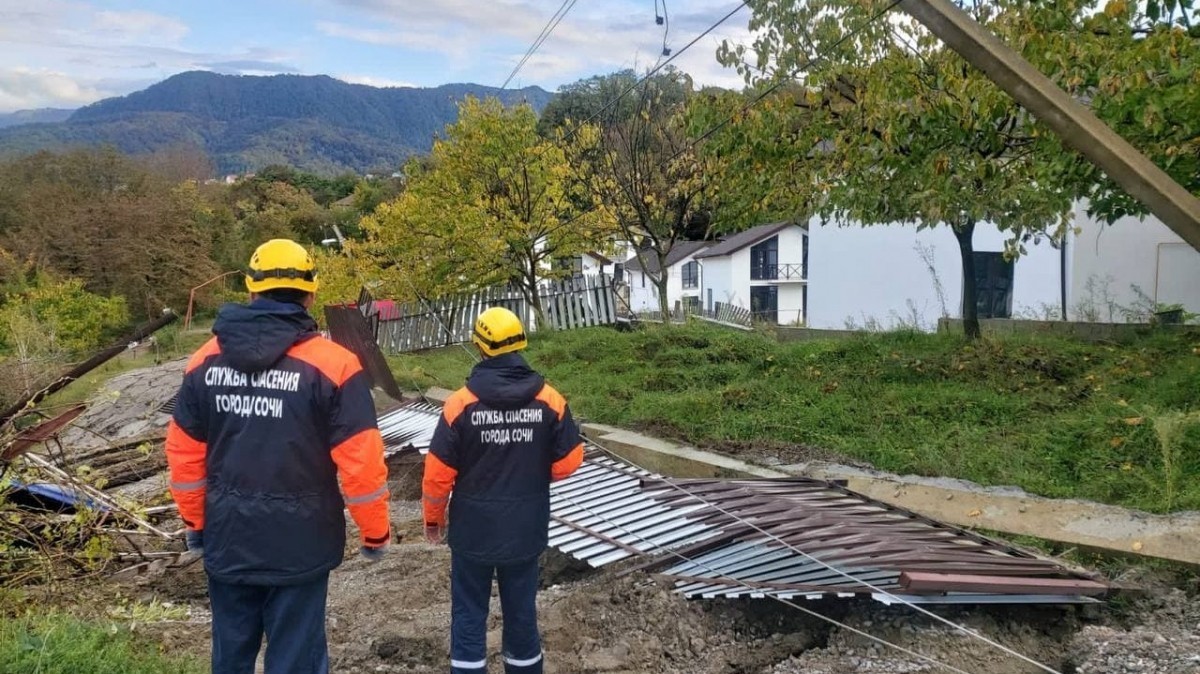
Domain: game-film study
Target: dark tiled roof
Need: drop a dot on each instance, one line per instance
(747, 238)
(680, 250)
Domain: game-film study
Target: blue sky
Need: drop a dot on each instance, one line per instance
(67, 53)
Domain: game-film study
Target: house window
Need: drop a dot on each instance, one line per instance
(804, 259)
(691, 304)
(993, 285)
(764, 302)
(619, 272)
(764, 260)
(710, 305)
(691, 275)
(804, 303)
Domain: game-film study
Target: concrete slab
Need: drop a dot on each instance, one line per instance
(671, 459)
(438, 394)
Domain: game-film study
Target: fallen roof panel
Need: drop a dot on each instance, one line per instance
(784, 538)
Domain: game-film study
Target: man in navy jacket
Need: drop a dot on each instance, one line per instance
(270, 417)
(500, 441)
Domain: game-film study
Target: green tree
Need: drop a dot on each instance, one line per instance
(497, 204)
(1138, 66)
(99, 216)
(595, 99)
(894, 127)
(646, 178)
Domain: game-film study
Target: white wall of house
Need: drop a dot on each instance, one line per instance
(716, 281)
(790, 303)
(876, 275)
(643, 294)
(791, 246)
(1109, 261)
(728, 277)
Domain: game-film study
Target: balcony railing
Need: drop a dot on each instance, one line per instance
(777, 272)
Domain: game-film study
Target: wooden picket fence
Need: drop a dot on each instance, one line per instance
(728, 314)
(567, 304)
(723, 313)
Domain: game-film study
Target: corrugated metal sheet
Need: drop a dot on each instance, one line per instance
(785, 538)
(797, 537)
(601, 514)
(409, 426)
(348, 327)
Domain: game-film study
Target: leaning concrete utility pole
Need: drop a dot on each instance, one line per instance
(1071, 120)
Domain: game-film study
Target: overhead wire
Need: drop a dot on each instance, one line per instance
(551, 24)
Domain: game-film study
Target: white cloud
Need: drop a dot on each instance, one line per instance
(23, 88)
(492, 37)
(139, 25)
(71, 52)
(374, 81)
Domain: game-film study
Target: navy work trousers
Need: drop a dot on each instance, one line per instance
(292, 617)
(470, 591)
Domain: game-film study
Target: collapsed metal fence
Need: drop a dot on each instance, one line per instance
(782, 537)
(568, 304)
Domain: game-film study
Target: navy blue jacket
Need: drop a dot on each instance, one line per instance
(500, 441)
(269, 416)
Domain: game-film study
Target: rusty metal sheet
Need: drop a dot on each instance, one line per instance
(32, 437)
(799, 537)
(348, 327)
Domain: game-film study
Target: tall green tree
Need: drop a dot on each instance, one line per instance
(894, 127)
(1137, 64)
(497, 203)
(646, 178)
(99, 216)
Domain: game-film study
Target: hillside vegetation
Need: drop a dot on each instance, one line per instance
(1060, 418)
(314, 123)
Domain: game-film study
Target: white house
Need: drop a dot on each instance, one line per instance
(892, 275)
(683, 278)
(764, 269)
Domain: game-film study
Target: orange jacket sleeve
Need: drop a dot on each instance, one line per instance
(364, 484)
(441, 463)
(187, 447)
(566, 450)
(186, 458)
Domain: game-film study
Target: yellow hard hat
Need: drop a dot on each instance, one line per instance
(281, 263)
(498, 331)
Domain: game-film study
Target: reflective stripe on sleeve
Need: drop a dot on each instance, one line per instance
(188, 486)
(366, 498)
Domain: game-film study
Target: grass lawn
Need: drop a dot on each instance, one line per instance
(59, 644)
(1057, 417)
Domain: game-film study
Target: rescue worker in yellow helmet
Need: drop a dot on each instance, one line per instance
(500, 441)
(270, 417)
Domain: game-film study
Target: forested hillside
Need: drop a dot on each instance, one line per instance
(317, 124)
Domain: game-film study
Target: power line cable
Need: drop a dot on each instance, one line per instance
(551, 24)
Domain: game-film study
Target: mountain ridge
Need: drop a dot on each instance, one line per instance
(312, 122)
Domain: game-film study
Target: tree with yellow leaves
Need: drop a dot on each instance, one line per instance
(494, 203)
